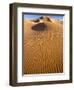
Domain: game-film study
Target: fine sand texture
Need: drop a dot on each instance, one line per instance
(43, 46)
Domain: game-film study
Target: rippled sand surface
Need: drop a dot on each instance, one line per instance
(43, 49)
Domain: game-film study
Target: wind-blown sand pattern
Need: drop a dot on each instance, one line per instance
(43, 46)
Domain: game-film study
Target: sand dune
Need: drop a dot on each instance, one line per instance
(43, 46)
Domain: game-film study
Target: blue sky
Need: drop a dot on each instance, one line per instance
(36, 16)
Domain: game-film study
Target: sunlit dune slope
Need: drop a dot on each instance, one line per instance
(43, 46)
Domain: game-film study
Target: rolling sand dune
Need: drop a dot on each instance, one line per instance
(43, 46)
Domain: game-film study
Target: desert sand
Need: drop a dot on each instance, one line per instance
(43, 46)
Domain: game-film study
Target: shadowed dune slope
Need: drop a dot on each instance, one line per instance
(39, 27)
(43, 46)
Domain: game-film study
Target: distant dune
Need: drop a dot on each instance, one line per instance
(43, 46)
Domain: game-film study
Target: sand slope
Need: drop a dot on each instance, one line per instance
(43, 49)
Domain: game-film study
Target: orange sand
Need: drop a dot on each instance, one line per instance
(43, 50)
